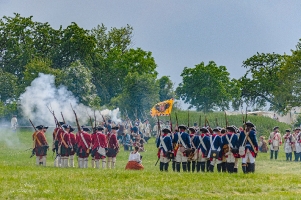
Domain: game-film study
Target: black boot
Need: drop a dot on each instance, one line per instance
(251, 167)
(193, 166)
(40, 163)
(219, 167)
(272, 152)
(276, 155)
(235, 170)
(166, 166)
(188, 166)
(178, 166)
(203, 166)
(248, 169)
(161, 166)
(229, 167)
(224, 168)
(184, 166)
(244, 168)
(208, 165)
(198, 166)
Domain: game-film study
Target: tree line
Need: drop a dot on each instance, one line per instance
(101, 68)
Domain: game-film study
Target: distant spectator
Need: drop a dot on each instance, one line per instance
(263, 146)
(14, 122)
(126, 141)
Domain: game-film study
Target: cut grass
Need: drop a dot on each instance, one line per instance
(21, 179)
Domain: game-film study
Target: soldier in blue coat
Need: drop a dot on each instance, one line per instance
(182, 142)
(230, 147)
(215, 149)
(164, 145)
(247, 139)
(202, 145)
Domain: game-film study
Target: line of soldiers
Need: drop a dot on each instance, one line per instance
(292, 143)
(66, 144)
(204, 148)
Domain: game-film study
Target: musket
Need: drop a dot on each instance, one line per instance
(76, 119)
(90, 118)
(177, 120)
(159, 132)
(170, 122)
(216, 121)
(55, 119)
(226, 119)
(200, 121)
(63, 118)
(95, 120)
(188, 118)
(33, 149)
(207, 121)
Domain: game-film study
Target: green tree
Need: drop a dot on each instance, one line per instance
(77, 79)
(139, 95)
(264, 82)
(166, 88)
(8, 87)
(205, 87)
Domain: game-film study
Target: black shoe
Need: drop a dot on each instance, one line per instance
(244, 168)
(203, 166)
(219, 167)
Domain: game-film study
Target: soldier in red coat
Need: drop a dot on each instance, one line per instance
(73, 147)
(84, 144)
(113, 147)
(40, 145)
(99, 147)
(55, 145)
(64, 141)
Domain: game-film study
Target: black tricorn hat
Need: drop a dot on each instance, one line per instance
(85, 128)
(61, 123)
(166, 130)
(276, 127)
(182, 127)
(297, 128)
(40, 127)
(115, 128)
(217, 129)
(287, 130)
(100, 128)
(231, 128)
(66, 126)
(250, 124)
(223, 130)
(71, 129)
(45, 127)
(192, 129)
(204, 130)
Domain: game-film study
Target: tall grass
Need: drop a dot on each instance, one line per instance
(21, 179)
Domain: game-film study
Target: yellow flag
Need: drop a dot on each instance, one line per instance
(162, 108)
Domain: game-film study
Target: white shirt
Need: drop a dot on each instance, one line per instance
(134, 157)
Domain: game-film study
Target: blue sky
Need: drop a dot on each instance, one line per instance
(181, 33)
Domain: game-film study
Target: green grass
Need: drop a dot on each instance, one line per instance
(21, 179)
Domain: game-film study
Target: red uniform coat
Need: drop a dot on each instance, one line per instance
(72, 143)
(112, 141)
(40, 143)
(99, 140)
(83, 149)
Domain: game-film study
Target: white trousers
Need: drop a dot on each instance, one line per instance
(248, 156)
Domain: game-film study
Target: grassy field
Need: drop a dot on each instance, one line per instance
(21, 179)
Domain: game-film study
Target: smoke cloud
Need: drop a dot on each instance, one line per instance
(42, 93)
